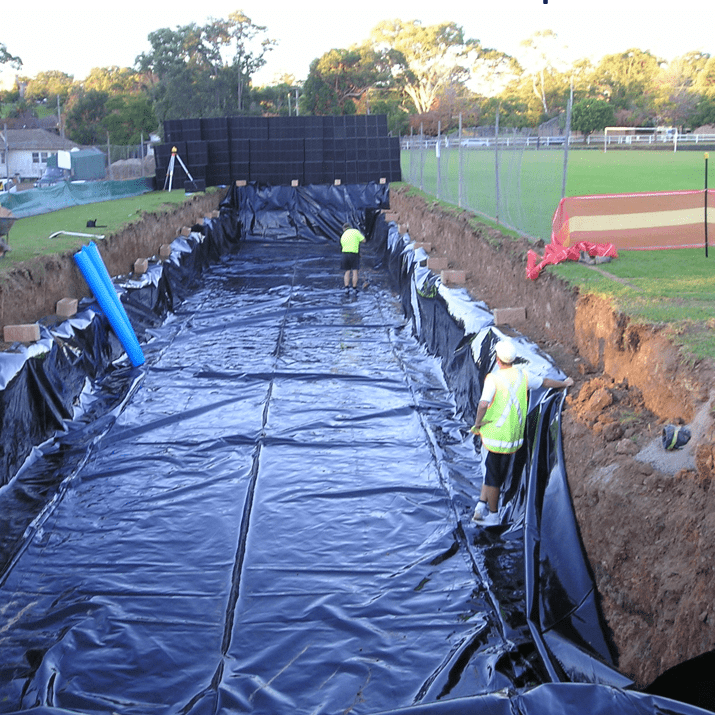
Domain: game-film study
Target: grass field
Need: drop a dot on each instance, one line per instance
(530, 182)
(673, 288)
(30, 237)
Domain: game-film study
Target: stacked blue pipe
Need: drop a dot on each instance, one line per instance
(95, 273)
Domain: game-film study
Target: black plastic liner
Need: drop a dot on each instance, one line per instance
(273, 514)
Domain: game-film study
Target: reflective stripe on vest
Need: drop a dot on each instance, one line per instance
(503, 428)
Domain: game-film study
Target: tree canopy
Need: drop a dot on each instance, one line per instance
(48, 86)
(340, 78)
(591, 114)
(431, 58)
(422, 76)
(7, 59)
(204, 70)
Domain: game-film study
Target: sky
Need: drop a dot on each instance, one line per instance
(75, 36)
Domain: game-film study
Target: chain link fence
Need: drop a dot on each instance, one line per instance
(512, 178)
(128, 162)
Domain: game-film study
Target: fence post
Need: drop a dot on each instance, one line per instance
(439, 159)
(461, 165)
(422, 156)
(496, 162)
(109, 159)
(566, 142)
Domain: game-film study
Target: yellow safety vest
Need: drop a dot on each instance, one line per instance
(504, 420)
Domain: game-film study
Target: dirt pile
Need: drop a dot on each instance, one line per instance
(647, 516)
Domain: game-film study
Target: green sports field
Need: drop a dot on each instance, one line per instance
(674, 288)
(623, 172)
(530, 183)
(30, 237)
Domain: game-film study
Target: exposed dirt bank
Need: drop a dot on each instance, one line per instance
(646, 516)
(32, 290)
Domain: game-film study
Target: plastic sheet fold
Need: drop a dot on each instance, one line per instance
(273, 513)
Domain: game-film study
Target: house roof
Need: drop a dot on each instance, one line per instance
(36, 140)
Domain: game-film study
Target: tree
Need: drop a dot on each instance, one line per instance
(704, 83)
(249, 50)
(627, 79)
(47, 86)
(493, 72)
(128, 118)
(274, 100)
(704, 112)
(114, 80)
(431, 58)
(202, 70)
(541, 83)
(591, 114)
(319, 97)
(543, 64)
(398, 120)
(340, 78)
(85, 112)
(7, 59)
(183, 65)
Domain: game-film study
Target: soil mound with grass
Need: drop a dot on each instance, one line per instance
(646, 514)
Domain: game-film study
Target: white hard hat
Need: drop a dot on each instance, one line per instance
(506, 351)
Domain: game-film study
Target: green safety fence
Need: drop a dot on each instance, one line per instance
(66, 194)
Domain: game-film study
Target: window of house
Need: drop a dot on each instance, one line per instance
(40, 157)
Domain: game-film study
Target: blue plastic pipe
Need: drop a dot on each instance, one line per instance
(109, 305)
(96, 258)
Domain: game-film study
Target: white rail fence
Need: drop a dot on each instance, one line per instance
(593, 140)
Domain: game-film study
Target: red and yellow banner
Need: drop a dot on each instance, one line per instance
(674, 219)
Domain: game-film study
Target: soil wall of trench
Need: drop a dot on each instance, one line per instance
(32, 290)
(646, 515)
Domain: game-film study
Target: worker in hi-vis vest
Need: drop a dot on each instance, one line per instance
(500, 422)
(350, 260)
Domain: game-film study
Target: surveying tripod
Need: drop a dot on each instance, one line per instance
(170, 170)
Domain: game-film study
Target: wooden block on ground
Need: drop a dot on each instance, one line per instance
(437, 263)
(383, 180)
(241, 182)
(185, 231)
(215, 214)
(403, 228)
(503, 316)
(27, 333)
(164, 250)
(67, 307)
(337, 182)
(452, 277)
(141, 266)
(294, 182)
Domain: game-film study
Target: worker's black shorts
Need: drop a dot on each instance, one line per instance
(350, 261)
(497, 468)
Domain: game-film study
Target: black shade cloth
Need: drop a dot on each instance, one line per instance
(273, 515)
